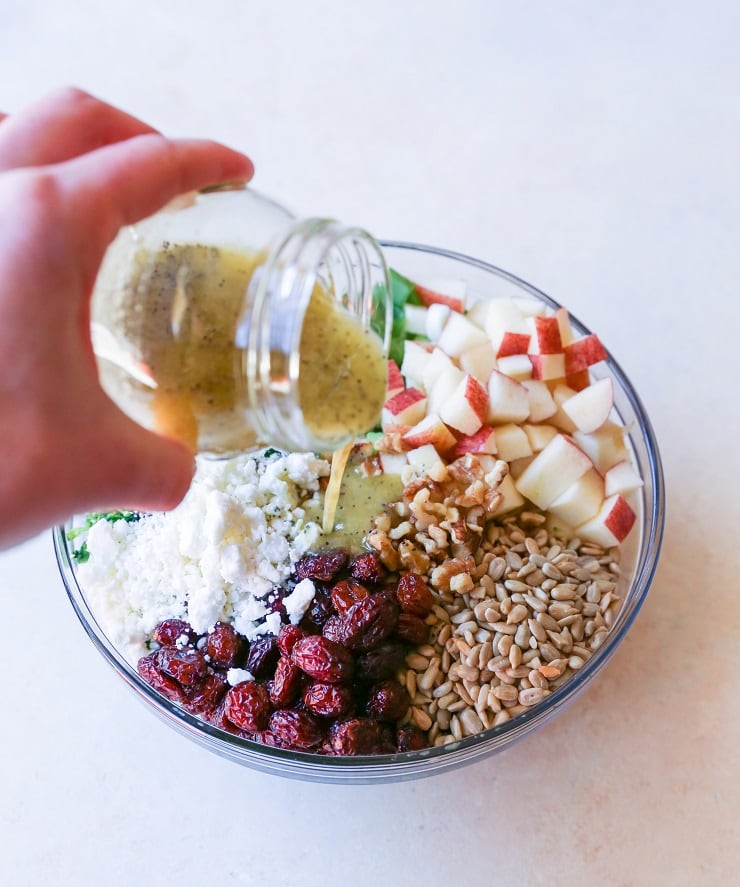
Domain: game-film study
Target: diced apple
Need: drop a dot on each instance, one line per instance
(539, 436)
(590, 408)
(482, 441)
(415, 358)
(437, 365)
(513, 343)
(508, 400)
(511, 500)
(405, 408)
(611, 525)
(560, 393)
(621, 478)
(512, 442)
(530, 307)
(425, 460)
(547, 367)
(552, 471)
(437, 316)
(581, 500)
(566, 331)
(518, 466)
(476, 311)
(502, 316)
(430, 430)
(393, 463)
(516, 366)
(578, 381)
(605, 446)
(442, 292)
(541, 404)
(583, 353)
(545, 337)
(479, 361)
(443, 388)
(460, 335)
(395, 379)
(416, 319)
(466, 407)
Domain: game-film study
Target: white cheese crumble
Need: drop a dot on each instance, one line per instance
(217, 556)
(238, 675)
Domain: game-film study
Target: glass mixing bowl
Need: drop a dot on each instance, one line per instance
(639, 559)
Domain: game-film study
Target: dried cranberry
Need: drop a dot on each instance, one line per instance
(381, 663)
(367, 568)
(388, 701)
(296, 729)
(167, 633)
(188, 667)
(411, 629)
(323, 566)
(368, 622)
(287, 638)
(262, 656)
(411, 739)
(414, 595)
(206, 699)
(357, 736)
(323, 659)
(148, 669)
(345, 594)
(286, 685)
(218, 719)
(328, 700)
(320, 609)
(333, 629)
(247, 706)
(224, 645)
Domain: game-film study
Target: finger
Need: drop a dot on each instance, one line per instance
(61, 126)
(122, 184)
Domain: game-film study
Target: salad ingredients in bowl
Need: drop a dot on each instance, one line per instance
(464, 574)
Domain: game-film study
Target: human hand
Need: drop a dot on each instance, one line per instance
(73, 170)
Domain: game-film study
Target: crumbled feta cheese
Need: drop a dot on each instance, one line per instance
(217, 556)
(237, 675)
(298, 601)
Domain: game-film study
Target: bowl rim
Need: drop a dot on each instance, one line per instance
(374, 768)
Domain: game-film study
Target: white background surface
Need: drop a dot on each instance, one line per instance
(592, 150)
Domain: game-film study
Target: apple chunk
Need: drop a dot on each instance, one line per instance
(545, 335)
(552, 471)
(508, 400)
(395, 379)
(583, 353)
(479, 361)
(483, 441)
(466, 407)
(393, 463)
(590, 408)
(430, 430)
(541, 404)
(605, 446)
(511, 498)
(611, 525)
(415, 358)
(621, 478)
(512, 442)
(442, 292)
(405, 408)
(581, 500)
(460, 335)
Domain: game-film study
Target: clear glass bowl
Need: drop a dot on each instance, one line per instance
(639, 561)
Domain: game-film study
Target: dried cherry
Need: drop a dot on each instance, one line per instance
(356, 736)
(295, 728)
(188, 667)
(286, 684)
(346, 593)
(366, 567)
(382, 662)
(322, 566)
(167, 633)
(411, 629)
(205, 699)
(287, 637)
(369, 622)
(262, 656)
(248, 706)
(328, 700)
(149, 670)
(410, 739)
(320, 609)
(322, 659)
(225, 646)
(414, 595)
(333, 629)
(388, 701)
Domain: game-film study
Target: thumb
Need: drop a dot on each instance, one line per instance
(137, 469)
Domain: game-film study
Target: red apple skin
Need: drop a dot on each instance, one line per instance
(429, 297)
(477, 396)
(404, 399)
(578, 381)
(480, 442)
(582, 354)
(513, 343)
(547, 335)
(538, 362)
(620, 519)
(395, 379)
(434, 432)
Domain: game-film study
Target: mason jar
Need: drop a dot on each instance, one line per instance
(227, 323)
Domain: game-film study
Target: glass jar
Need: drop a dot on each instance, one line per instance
(226, 323)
